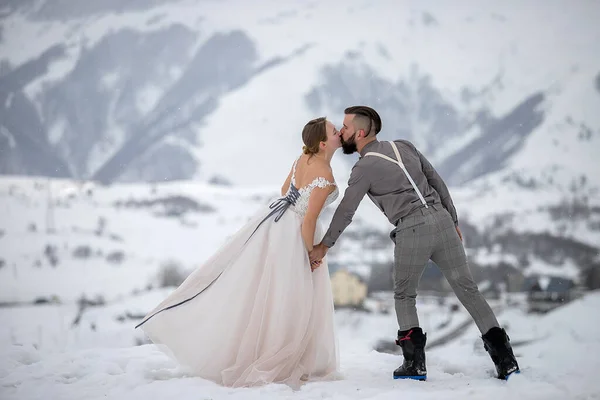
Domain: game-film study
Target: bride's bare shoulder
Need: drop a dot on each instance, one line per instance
(309, 169)
(323, 170)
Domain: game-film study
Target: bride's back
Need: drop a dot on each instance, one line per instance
(309, 168)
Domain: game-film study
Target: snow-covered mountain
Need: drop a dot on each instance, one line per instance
(503, 99)
(153, 91)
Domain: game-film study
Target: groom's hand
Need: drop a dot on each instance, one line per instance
(318, 252)
(459, 233)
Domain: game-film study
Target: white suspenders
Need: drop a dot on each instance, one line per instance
(401, 165)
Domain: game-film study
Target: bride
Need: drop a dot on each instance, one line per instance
(257, 312)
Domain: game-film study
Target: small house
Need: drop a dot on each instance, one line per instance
(547, 293)
(349, 289)
(591, 277)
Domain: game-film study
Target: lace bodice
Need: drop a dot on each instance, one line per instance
(302, 203)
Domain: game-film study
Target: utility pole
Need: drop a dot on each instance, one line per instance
(49, 208)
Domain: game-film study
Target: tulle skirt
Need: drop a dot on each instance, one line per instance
(254, 313)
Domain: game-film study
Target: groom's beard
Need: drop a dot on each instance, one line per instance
(349, 147)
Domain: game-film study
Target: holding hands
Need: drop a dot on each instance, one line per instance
(316, 256)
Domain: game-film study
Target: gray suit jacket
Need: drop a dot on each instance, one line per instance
(387, 186)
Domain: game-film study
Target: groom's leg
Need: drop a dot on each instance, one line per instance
(449, 255)
(414, 239)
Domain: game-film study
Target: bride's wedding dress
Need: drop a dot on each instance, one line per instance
(254, 313)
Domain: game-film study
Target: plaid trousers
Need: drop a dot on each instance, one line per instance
(430, 233)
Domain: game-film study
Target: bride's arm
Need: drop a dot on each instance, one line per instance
(315, 204)
(286, 184)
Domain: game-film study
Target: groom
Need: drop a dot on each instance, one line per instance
(414, 198)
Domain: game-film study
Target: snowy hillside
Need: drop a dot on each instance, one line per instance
(194, 89)
(540, 225)
(71, 239)
(110, 241)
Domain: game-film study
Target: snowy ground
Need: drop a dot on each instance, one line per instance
(557, 358)
(53, 327)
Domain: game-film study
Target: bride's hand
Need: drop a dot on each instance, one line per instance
(315, 264)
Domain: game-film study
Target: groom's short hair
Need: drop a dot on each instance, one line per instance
(366, 118)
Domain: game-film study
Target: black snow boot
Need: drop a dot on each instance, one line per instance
(412, 343)
(497, 343)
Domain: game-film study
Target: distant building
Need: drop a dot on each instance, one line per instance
(547, 293)
(591, 277)
(349, 289)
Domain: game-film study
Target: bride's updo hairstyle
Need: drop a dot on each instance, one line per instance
(314, 132)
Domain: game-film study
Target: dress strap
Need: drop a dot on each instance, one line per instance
(294, 170)
(320, 182)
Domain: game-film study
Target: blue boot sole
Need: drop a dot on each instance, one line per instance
(415, 377)
(512, 373)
